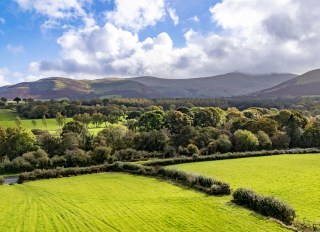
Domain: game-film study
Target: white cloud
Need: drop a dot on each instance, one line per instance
(56, 11)
(136, 15)
(2, 21)
(173, 15)
(14, 49)
(3, 76)
(278, 35)
(195, 19)
(264, 36)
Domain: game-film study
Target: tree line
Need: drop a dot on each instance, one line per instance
(131, 133)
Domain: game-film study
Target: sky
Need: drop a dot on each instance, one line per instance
(88, 39)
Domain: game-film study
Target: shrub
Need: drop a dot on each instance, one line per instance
(265, 205)
(61, 172)
(77, 157)
(1, 181)
(192, 149)
(101, 155)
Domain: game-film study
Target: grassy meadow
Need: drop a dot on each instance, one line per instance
(120, 202)
(8, 119)
(292, 178)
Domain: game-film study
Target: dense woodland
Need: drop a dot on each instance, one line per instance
(141, 129)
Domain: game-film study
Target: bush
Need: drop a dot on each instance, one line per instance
(1, 181)
(101, 155)
(192, 149)
(61, 172)
(265, 205)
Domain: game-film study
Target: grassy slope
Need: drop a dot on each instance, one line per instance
(119, 202)
(293, 178)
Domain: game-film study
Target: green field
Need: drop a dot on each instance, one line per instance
(120, 202)
(8, 119)
(292, 178)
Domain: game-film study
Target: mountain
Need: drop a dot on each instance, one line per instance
(227, 85)
(307, 84)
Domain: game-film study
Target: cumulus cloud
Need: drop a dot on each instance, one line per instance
(14, 49)
(260, 37)
(136, 15)
(57, 12)
(173, 15)
(4, 72)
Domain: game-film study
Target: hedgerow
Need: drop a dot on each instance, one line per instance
(265, 205)
(230, 155)
(198, 182)
(61, 172)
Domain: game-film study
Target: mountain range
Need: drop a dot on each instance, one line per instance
(226, 85)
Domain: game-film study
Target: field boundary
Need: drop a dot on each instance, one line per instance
(201, 183)
(226, 156)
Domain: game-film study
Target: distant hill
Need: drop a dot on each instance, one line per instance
(227, 85)
(307, 84)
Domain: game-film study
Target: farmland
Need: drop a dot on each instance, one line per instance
(119, 202)
(8, 119)
(292, 178)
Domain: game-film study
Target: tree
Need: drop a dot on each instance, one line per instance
(280, 140)
(3, 99)
(97, 119)
(101, 155)
(245, 140)
(208, 116)
(78, 130)
(175, 120)
(18, 122)
(311, 135)
(115, 136)
(14, 142)
(83, 118)
(151, 141)
(223, 144)
(152, 120)
(44, 122)
(34, 123)
(294, 131)
(193, 150)
(74, 127)
(264, 140)
(38, 111)
(60, 119)
(17, 100)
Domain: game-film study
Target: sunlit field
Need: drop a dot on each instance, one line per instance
(292, 178)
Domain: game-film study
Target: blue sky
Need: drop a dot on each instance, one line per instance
(165, 38)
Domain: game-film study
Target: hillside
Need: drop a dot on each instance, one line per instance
(227, 85)
(307, 84)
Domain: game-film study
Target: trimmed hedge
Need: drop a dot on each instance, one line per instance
(230, 155)
(39, 174)
(265, 205)
(198, 182)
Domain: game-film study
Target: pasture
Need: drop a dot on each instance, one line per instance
(294, 179)
(8, 119)
(120, 202)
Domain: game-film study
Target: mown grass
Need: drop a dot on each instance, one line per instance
(292, 178)
(120, 202)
